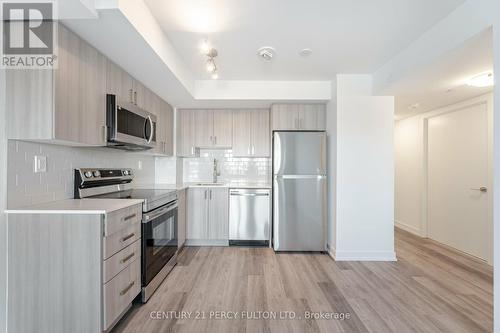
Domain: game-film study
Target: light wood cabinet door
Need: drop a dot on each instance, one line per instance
(158, 111)
(67, 92)
(218, 216)
(242, 133)
(284, 117)
(222, 128)
(169, 129)
(141, 93)
(203, 128)
(261, 133)
(197, 213)
(92, 101)
(312, 117)
(181, 218)
(185, 133)
(118, 82)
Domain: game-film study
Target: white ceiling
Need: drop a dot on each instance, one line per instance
(356, 36)
(443, 82)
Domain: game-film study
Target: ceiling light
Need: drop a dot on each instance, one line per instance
(267, 53)
(482, 80)
(204, 47)
(211, 67)
(414, 106)
(215, 76)
(305, 52)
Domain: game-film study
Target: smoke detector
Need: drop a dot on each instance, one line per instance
(267, 53)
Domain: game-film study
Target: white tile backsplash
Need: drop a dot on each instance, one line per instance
(25, 187)
(232, 169)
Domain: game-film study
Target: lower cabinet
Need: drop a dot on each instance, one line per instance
(78, 273)
(181, 217)
(207, 216)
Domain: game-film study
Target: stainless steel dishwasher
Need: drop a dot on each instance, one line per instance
(249, 216)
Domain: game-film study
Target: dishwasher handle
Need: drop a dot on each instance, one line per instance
(250, 194)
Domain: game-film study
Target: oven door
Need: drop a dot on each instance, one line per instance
(129, 124)
(159, 240)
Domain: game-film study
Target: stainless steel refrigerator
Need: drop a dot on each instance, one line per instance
(299, 191)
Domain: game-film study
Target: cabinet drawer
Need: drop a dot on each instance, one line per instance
(121, 219)
(120, 291)
(121, 239)
(116, 263)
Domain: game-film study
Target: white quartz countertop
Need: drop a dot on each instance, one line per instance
(180, 187)
(77, 206)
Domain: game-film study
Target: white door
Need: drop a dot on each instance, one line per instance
(457, 168)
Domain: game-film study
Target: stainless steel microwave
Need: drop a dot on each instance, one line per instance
(128, 126)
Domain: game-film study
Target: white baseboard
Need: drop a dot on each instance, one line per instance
(365, 256)
(360, 256)
(406, 227)
(206, 242)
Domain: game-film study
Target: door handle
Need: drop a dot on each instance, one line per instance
(481, 189)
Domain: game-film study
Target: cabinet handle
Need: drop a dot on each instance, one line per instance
(105, 133)
(135, 97)
(127, 258)
(205, 194)
(248, 150)
(212, 139)
(131, 96)
(192, 150)
(126, 238)
(129, 217)
(124, 291)
(253, 150)
(210, 194)
(215, 139)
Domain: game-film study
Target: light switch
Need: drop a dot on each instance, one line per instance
(40, 163)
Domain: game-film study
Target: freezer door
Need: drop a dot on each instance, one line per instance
(299, 153)
(299, 213)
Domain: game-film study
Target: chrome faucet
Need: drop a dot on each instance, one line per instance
(215, 172)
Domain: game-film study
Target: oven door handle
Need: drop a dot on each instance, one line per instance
(159, 212)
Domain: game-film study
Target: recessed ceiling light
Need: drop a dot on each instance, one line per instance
(267, 53)
(482, 80)
(414, 106)
(305, 52)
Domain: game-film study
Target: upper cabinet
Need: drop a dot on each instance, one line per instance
(65, 105)
(198, 128)
(164, 126)
(185, 133)
(298, 117)
(251, 133)
(213, 128)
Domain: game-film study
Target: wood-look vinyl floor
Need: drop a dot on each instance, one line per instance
(431, 288)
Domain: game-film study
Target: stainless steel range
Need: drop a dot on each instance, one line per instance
(159, 219)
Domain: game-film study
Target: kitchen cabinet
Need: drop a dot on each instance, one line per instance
(186, 134)
(252, 136)
(85, 269)
(125, 87)
(181, 217)
(213, 128)
(207, 216)
(65, 105)
(164, 125)
(298, 117)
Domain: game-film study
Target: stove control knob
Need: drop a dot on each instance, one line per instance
(88, 174)
(125, 172)
(97, 173)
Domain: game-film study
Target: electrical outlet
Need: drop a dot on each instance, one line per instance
(139, 165)
(40, 163)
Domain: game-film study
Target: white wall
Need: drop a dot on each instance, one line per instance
(331, 130)
(496, 172)
(410, 165)
(365, 172)
(3, 206)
